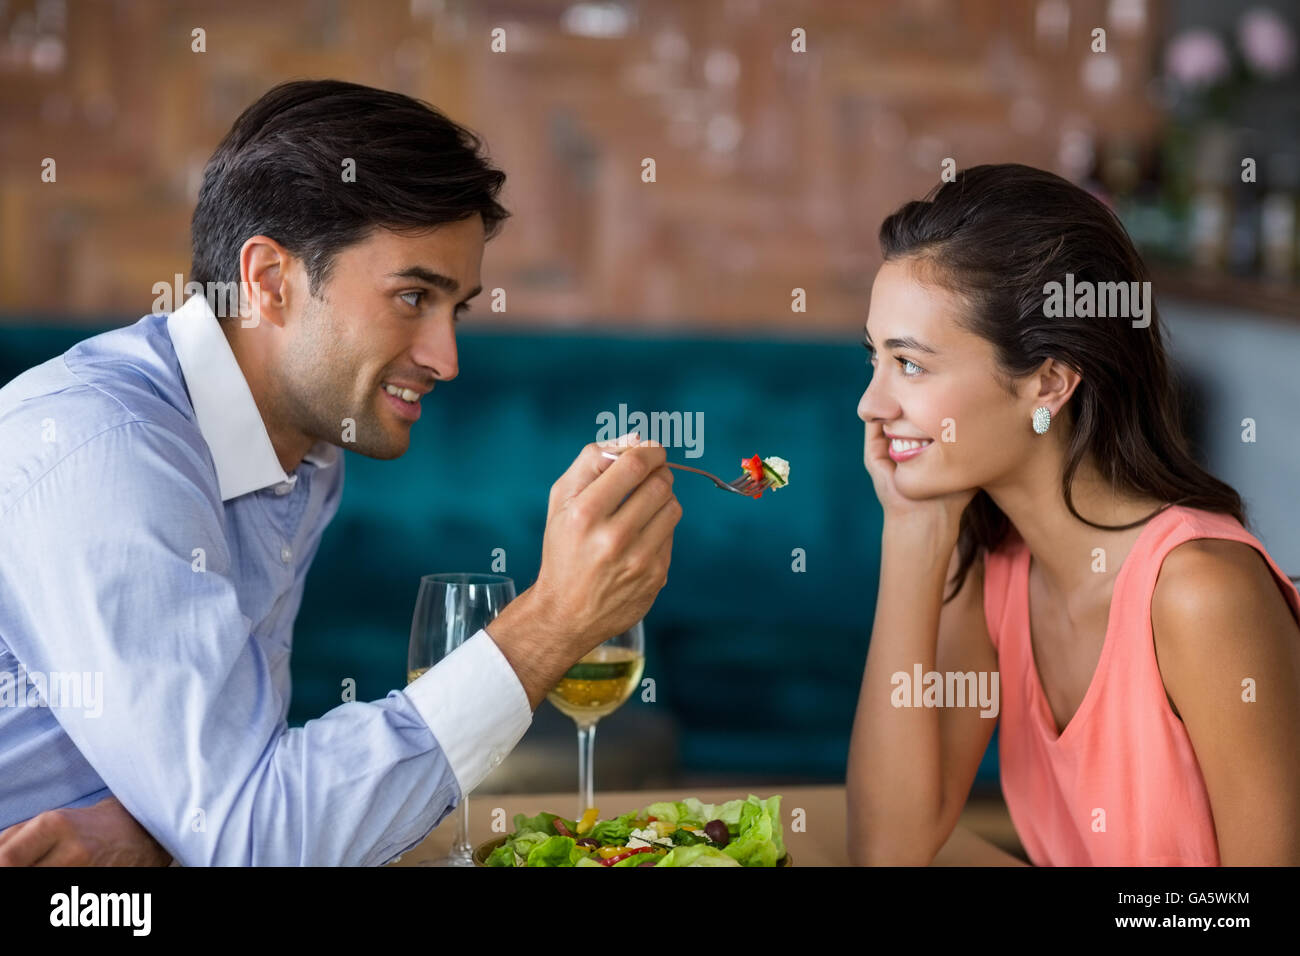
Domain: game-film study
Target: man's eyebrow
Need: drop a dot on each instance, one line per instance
(436, 279)
(906, 342)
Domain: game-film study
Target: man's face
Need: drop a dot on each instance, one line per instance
(385, 316)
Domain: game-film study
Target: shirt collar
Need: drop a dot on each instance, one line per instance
(224, 407)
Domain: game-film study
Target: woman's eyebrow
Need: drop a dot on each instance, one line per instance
(906, 342)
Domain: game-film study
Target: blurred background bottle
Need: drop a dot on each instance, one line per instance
(1278, 240)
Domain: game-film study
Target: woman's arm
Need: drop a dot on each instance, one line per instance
(911, 768)
(1229, 652)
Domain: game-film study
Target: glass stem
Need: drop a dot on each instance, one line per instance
(586, 766)
(460, 846)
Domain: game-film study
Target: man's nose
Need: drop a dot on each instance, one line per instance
(436, 349)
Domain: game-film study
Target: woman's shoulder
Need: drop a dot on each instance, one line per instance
(1214, 573)
(1201, 572)
(1205, 524)
(1198, 547)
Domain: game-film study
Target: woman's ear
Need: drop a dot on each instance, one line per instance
(1054, 383)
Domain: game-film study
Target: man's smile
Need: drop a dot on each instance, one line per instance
(403, 399)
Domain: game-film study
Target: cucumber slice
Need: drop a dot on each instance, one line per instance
(777, 480)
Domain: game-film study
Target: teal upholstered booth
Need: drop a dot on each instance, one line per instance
(758, 663)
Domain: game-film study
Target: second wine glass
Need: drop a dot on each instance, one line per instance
(595, 687)
(449, 610)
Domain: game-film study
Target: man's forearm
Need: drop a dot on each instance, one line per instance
(536, 657)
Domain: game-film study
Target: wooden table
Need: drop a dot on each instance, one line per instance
(820, 843)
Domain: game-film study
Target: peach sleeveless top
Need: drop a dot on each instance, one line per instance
(1124, 759)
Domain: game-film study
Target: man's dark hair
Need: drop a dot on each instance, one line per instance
(279, 172)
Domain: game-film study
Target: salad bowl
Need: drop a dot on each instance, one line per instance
(744, 832)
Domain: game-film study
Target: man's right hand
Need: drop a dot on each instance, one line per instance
(605, 557)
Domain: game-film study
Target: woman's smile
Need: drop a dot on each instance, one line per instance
(905, 449)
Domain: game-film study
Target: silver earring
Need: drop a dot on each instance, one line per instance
(1042, 419)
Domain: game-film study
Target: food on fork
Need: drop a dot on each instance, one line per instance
(774, 470)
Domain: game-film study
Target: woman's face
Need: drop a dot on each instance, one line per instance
(937, 384)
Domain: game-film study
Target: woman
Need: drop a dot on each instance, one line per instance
(1146, 646)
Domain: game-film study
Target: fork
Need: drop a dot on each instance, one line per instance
(744, 485)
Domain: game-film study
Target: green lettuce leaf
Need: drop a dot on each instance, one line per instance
(504, 855)
(666, 812)
(695, 813)
(728, 813)
(754, 844)
(543, 822)
(524, 842)
(613, 831)
(683, 811)
(700, 855)
(778, 837)
(578, 853)
(554, 852)
(638, 858)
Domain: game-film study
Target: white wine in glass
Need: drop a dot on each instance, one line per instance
(595, 687)
(449, 610)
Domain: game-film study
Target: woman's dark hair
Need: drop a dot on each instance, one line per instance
(280, 172)
(997, 235)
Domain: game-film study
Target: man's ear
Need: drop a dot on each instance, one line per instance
(265, 285)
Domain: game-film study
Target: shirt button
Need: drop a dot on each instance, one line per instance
(495, 759)
(286, 554)
(283, 488)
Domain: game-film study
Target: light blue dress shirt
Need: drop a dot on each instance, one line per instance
(152, 559)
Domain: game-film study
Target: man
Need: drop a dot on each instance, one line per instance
(164, 487)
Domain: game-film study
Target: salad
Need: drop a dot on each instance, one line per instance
(774, 469)
(685, 833)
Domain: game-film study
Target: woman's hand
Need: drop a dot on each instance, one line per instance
(100, 835)
(941, 513)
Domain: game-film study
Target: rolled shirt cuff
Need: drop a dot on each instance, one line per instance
(475, 706)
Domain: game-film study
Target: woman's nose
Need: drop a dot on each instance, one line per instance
(874, 403)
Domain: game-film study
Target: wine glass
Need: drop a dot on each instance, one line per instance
(450, 609)
(596, 686)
